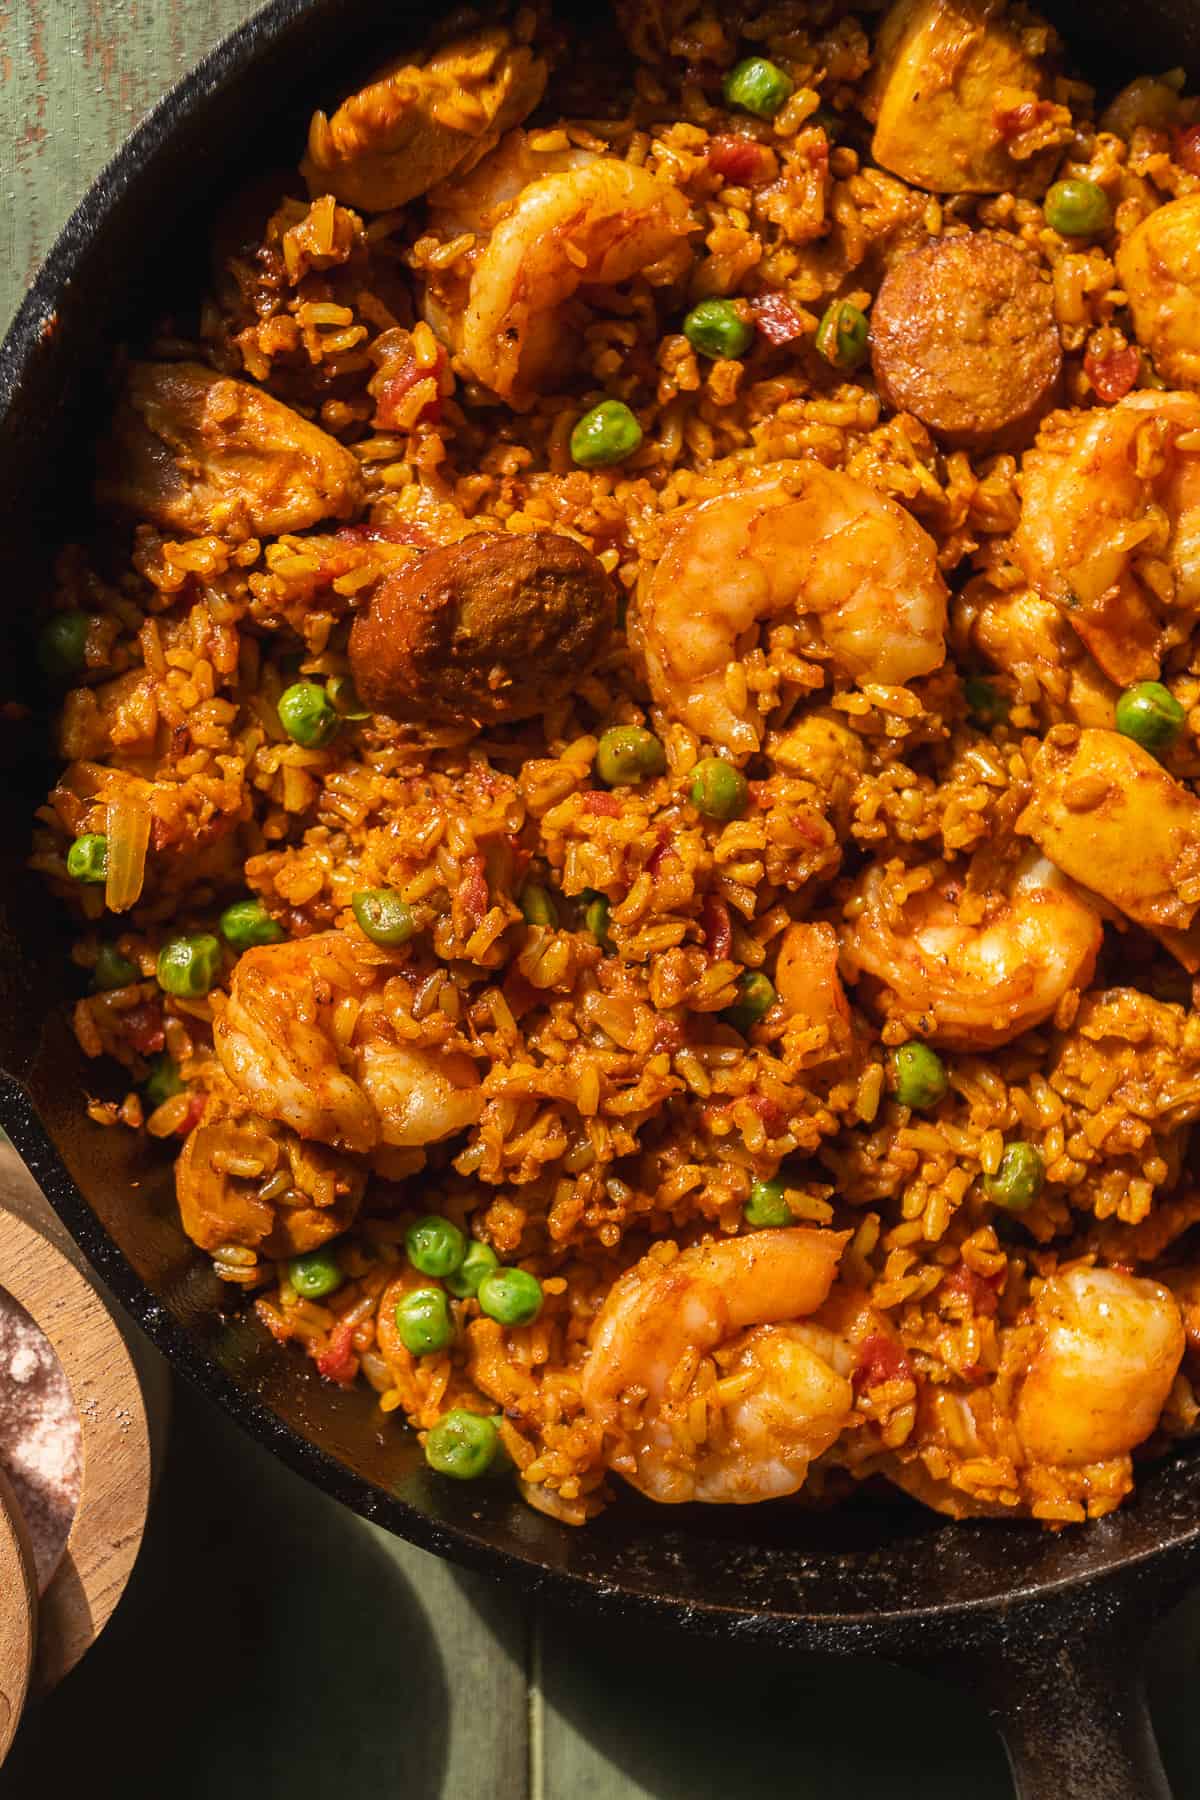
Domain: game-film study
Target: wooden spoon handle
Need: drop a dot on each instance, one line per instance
(18, 1614)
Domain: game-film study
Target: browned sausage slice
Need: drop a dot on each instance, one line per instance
(963, 335)
(494, 627)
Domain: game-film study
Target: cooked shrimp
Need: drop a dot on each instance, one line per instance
(785, 1402)
(1158, 265)
(808, 982)
(596, 226)
(275, 1039)
(810, 543)
(478, 201)
(1097, 1359)
(1110, 525)
(419, 1097)
(276, 1042)
(971, 980)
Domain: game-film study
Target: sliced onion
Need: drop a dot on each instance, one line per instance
(128, 840)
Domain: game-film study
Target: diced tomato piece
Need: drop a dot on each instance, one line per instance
(1187, 150)
(806, 827)
(739, 159)
(144, 1027)
(668, 1035)
(337, 1362)
(880, 1359)
(1113, 375)
(982, 1292)
(778, 322)
(657, 858)
(1011, 121)
(394, 388)
(718, 932)
(473, 894)
(772, 1117)
(192, 1116)
(606, 806)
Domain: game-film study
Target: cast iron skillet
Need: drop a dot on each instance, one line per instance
(1047, 1628)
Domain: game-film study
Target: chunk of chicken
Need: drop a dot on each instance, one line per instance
(1158, 265)
(950, 76)
(245, 1181)
(194, 451)
(1107, 814)
(416, 123)
(1110, 1346)
(494, 627)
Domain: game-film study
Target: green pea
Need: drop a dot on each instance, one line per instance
(1151, 715)
(537, 905)
(627, 754)
(344, 697)
(315, 1274)
(247, 923)
(163, 1081)
(767, 1206)
(605, 435)
(987, 704)
(479, 1261)
(756, 997)
(62, 646)
(112, 970)
(435, 1246)
(718, 790)
(717, 328)
(423, 1321)
(463, 1444)
(595, 917)
(1019, 1179)
(842, 335)
(757, 86)
(1077, 208)
(87, 859)
(188, 966)
(306, 715)
(510, 1296)
(919, 1074)
(383, 916)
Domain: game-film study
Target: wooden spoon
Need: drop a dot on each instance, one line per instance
(115, 1486)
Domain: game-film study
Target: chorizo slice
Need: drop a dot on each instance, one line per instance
(494, 627)
(195, 451)
(963, 336)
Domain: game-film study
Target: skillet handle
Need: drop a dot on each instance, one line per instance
(1072, 1712)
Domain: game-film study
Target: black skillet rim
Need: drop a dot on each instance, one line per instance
(880, 1631)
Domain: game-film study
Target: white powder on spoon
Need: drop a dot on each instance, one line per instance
(39, 1435)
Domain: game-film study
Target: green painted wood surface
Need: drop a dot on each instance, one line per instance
(271, 1643)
